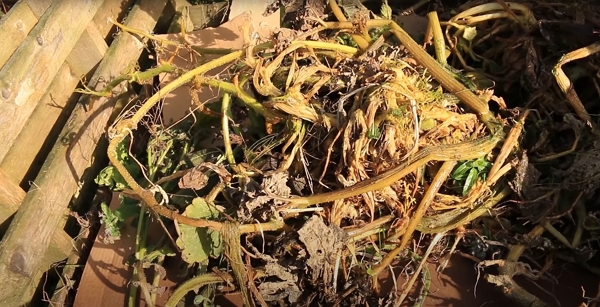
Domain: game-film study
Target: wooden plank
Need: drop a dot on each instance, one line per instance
(15, 26)
(47, 119)
(91, 44)
(207, 15)
(11, 196)
(199, 16)
(111, 9)
(69, 168)
(181, 18)
(60, 247)
(59, 251)
(88, 51)
(38, 7)
(49, 116)
(178, 4)
(26, 14)
(32, 67)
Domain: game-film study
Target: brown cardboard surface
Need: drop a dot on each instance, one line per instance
(256, 8)
(105, 277)
(234, 34)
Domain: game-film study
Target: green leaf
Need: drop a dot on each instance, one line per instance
(201, 300)
(113, 219)
(373, 132)
(428, 124)
(110, 222)
(111, 178)
(198, 244)
(157, 253)
(122, 150)
(481, 164)
(461, 171)
(470, 181)
(128, 207)
(398, 112)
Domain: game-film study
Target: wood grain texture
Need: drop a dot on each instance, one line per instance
(207, 15)
(67, 167)
(45, 120)
(30, 70)
(194, 17)
(15, 26)
(53, 109)
(11, 196)
(38, 7)
(25, 14)
(111, 9)
(88, 51)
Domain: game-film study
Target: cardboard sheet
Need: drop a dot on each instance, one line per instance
(234, 34)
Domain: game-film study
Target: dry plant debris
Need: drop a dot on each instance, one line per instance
(337, 149)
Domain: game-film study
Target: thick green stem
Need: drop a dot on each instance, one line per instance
(361, 41)
(196, 283)
(140, 253)
(225, 116)
(248, 100)
(434, 68)
(438, 38)
(439, 180)
(137, 76)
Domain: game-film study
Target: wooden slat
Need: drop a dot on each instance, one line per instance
(87, 49)
(51, 112)
(38, 7)
(59, 249)
(88, 52)
(181, 18)
(69, 164)
(111, 9)
(208, 14)
(24, 15)
(32, 67)
(15, 26)
(11, 196)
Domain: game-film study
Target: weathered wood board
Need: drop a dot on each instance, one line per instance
(32, 67)
(69, 166)
(40, 130)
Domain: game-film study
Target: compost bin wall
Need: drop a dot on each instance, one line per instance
(49, 138)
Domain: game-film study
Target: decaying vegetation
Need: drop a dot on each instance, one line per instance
(338, 149)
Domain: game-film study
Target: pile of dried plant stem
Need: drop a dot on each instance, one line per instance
(293, 104)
